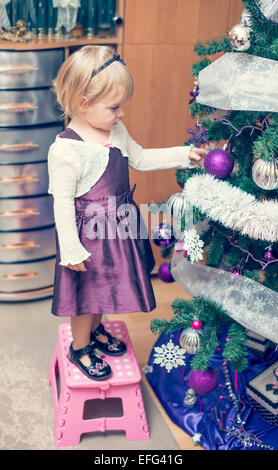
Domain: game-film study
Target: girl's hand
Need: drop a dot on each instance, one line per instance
(79, 266)
(197, 155)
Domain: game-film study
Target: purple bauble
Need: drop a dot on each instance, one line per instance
(203, 381)
(219, 163)
(163, 235)
(164, 273)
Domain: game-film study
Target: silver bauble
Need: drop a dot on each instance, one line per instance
(177, 205)
(240, 37)
(265, 174)
(190, 340)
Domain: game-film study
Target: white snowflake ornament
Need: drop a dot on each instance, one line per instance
(193, 245)
(169, 356)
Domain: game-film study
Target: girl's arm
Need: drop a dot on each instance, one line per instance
(162, 158)
(63, 172)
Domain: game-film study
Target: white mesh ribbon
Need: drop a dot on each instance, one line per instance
(240, 81)
(246, 301)
(4, 19)
(67, 13)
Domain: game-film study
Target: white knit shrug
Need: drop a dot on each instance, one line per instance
(75, 166)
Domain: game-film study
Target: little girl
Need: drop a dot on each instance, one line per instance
(87, 164)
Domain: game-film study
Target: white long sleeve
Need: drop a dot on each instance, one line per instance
(75, 166)
(63, 175)
(157, 159)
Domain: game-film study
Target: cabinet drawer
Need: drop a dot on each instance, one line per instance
(28, 107)
(27, 144)
(26, 276)
(26, 213)
(29, 69)
(29, 245)
(23, 179)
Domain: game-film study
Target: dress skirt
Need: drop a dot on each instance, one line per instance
(112, 229)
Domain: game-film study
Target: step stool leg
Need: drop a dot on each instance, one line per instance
(136, 425)
(68, 419)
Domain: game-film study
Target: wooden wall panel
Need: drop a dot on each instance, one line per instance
(159, 37)
(174, 21)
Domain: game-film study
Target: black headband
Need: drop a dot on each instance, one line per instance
(116, 57)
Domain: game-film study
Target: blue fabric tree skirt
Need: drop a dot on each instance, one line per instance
(214, 414)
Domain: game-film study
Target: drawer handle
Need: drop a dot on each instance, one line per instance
(20, 246)
(18, 147)
(18, 107)
(20, 213)
(19, 179)
(15, 277)
(21, 68)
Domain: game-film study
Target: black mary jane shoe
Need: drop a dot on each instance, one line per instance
(112, 347)
(98, 369)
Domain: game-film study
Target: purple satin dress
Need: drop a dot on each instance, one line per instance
(117, 279)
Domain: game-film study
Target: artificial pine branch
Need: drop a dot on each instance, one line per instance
(266, 145)
(197, 215)
(158, 325)
(200, 65)
(197, 109)
(274, 49)
(208, 345)
(233, 258)
(216, 130)
(271, 277)
(180, 305)
(215, 250)
(254, 275)
(235, 349)
(213, 46)
(262, 28)
(265, 51)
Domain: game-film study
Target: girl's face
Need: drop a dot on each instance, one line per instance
(104, 113)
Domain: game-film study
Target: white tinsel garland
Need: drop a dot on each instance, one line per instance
(233, 208)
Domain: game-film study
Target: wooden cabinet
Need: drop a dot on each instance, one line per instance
(29, 120)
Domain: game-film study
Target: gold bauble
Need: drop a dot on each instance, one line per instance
(265, 174)
(240, 37)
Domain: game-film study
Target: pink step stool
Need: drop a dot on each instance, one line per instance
(76, 389)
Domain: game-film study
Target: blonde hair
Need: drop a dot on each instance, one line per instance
(74, 78)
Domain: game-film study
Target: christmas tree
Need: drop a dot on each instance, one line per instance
(227, 259)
